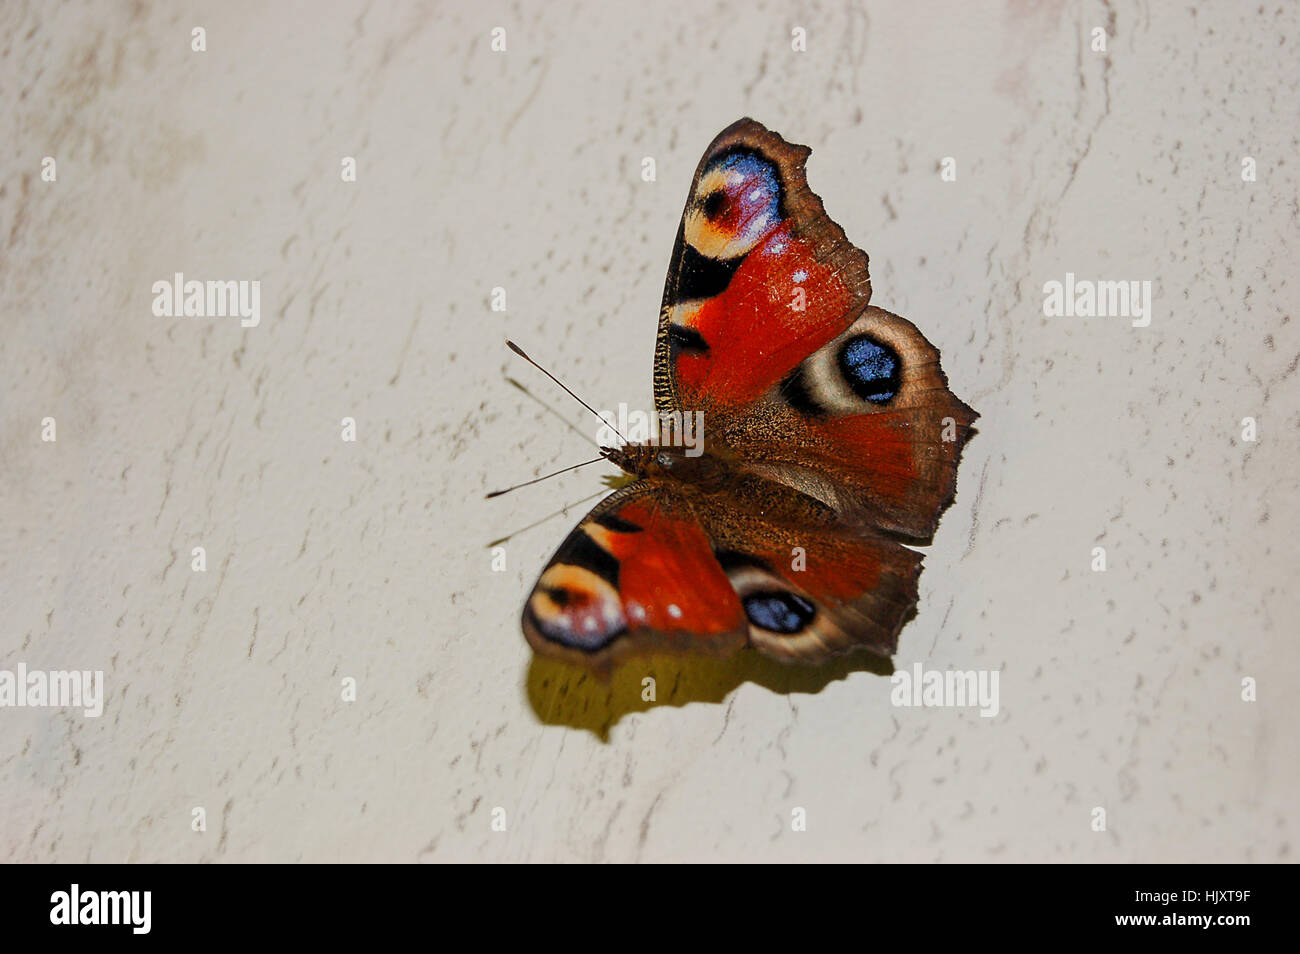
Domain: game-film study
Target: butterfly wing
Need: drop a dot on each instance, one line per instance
(661, 568)
(866, 423)
(810, 593)
(766, 329)
(753, 240)
(637, 575)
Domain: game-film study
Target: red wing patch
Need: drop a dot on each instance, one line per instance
(781, 305)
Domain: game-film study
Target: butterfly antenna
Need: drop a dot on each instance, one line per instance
(535, 480)
(520, 351)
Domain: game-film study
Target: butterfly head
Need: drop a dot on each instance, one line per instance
(640, 460)
(667, 462)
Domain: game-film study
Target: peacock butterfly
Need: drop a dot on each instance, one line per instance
(830, 436)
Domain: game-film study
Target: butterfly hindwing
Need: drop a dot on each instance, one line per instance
(865, 423)
(812, 593)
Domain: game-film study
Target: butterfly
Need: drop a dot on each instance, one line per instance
(829, 438)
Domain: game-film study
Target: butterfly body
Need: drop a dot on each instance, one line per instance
(830, 436)
(718, 488)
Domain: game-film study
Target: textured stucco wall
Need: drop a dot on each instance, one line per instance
(370, 559)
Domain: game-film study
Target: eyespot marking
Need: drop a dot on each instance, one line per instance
(714, 204)
(576, 608)
(779, 612)
(870, 368)
(737, 202)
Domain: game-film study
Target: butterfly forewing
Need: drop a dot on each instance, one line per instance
(637, 575)
(760, 276)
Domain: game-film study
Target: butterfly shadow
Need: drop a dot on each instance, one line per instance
(564, 694)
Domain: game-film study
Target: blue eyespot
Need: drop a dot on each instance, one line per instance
(870, 368)
(756, 171)
(779, 612)
(751, 195)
